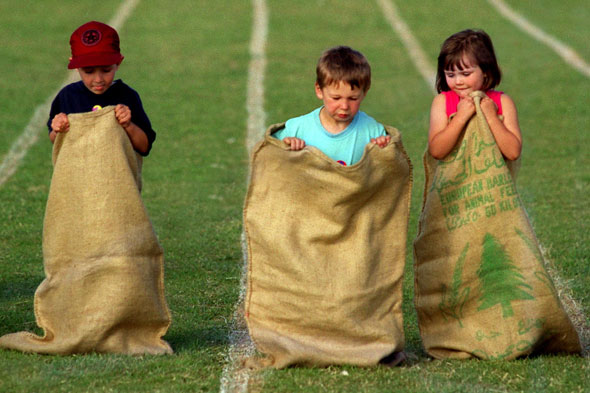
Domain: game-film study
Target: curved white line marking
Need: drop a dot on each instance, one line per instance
(412, 45)
(565, 52)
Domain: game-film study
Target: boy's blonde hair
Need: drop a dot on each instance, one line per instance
(343, 64)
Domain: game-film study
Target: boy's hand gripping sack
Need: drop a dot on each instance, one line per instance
(481, 286)
(326, 253)
(104, 289)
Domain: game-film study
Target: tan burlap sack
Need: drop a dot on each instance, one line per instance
(104, 288)
(326, 252)
(481, 287)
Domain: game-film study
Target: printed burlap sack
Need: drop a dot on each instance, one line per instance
(326, 253)
(104, 289)
(481, 286)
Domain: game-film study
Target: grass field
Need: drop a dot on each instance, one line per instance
(189, 61)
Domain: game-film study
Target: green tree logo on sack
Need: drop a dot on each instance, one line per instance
(452, 305)
(501, 281)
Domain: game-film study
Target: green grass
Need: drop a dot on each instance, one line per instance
(188, 60)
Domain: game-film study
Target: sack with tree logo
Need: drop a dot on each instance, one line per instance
(481, 286)
(326, 253)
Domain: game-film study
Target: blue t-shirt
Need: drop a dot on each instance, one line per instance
(346, 147)
(76, 98)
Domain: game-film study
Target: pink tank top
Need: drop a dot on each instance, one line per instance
(453, 98)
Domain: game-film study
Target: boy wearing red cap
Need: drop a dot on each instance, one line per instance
(96, 56)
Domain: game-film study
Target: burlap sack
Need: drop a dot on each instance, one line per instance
(326, 252)
(481, 287)
(104, 288)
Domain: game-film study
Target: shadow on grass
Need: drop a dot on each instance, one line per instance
(16, 303)
(18, 287)
(198, 338)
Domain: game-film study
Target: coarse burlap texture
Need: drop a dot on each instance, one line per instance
(104, 288)
(326, 253)
(481, 286)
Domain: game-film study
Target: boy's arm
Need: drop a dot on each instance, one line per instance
(286, 135)
(52, 136)
(136, 135)
(294, 143)
(59, 123)
(381, 141)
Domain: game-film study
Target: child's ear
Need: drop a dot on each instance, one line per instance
(318, 91)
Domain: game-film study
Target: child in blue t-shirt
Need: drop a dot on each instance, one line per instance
(338, 128)
(96, 56)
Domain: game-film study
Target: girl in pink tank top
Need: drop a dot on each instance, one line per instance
(467, 63)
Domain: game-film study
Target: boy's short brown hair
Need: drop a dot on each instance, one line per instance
(343, 64)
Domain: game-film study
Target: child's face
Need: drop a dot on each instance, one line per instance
(98, 79)
(341, 102)
(463, 82)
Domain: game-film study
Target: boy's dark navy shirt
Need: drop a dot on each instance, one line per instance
(76, 98)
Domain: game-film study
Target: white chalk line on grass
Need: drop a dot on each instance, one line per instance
(410, 42)
(235, 377)
(565, 52)
(419, 58)
(30, 133)
(123, 13)
(256, 70)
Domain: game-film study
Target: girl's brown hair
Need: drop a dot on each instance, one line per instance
(476, 45)
(343, 64)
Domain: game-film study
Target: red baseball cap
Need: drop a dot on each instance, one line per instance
(94, 44)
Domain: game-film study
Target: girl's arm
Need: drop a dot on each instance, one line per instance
(507, 133)
(442, 133)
